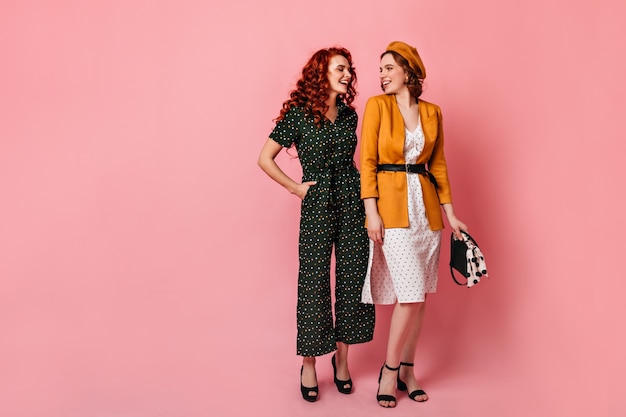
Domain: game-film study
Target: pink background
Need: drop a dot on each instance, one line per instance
(148, 267)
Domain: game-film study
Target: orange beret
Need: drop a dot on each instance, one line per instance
(410, 54)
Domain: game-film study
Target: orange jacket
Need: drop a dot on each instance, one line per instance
(382, 142)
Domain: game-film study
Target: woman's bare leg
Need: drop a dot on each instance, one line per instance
(408, 354)
(402, 322)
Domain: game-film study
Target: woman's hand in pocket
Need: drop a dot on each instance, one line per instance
(302, 189)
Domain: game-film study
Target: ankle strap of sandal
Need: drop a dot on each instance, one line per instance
(390, 368)
(406, 364)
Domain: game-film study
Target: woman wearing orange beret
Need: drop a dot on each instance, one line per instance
(404, 184)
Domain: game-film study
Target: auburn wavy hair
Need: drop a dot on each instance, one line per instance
(311, 90)
(414, 83)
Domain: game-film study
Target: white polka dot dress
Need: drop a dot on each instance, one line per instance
(404, 268)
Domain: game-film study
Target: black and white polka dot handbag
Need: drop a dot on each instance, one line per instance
(467, 258)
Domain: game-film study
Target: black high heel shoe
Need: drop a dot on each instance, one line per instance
(386, 397)
(306, 391)
(341, 385)
(402, 386)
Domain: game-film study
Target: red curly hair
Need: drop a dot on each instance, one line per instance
(311, 90)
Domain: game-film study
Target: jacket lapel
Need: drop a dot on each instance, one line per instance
(397, 130)
(430, 127)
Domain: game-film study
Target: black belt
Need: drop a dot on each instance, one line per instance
(413, 168)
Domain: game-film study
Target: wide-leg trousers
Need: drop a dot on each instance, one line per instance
(332, 219)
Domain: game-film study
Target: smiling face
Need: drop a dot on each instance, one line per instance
(339, 75)
(392, 76)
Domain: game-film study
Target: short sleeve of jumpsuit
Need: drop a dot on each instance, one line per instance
(332, 214)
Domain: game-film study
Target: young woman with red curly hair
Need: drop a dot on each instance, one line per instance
(319, 120)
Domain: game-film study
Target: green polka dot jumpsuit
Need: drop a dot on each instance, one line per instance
(332, 214)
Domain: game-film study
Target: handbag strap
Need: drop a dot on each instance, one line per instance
(468, 235)
(456, 280)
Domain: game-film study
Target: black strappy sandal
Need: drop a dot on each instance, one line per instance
(402, 386)
(386, 397)
(341, 385)
(306, 391)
